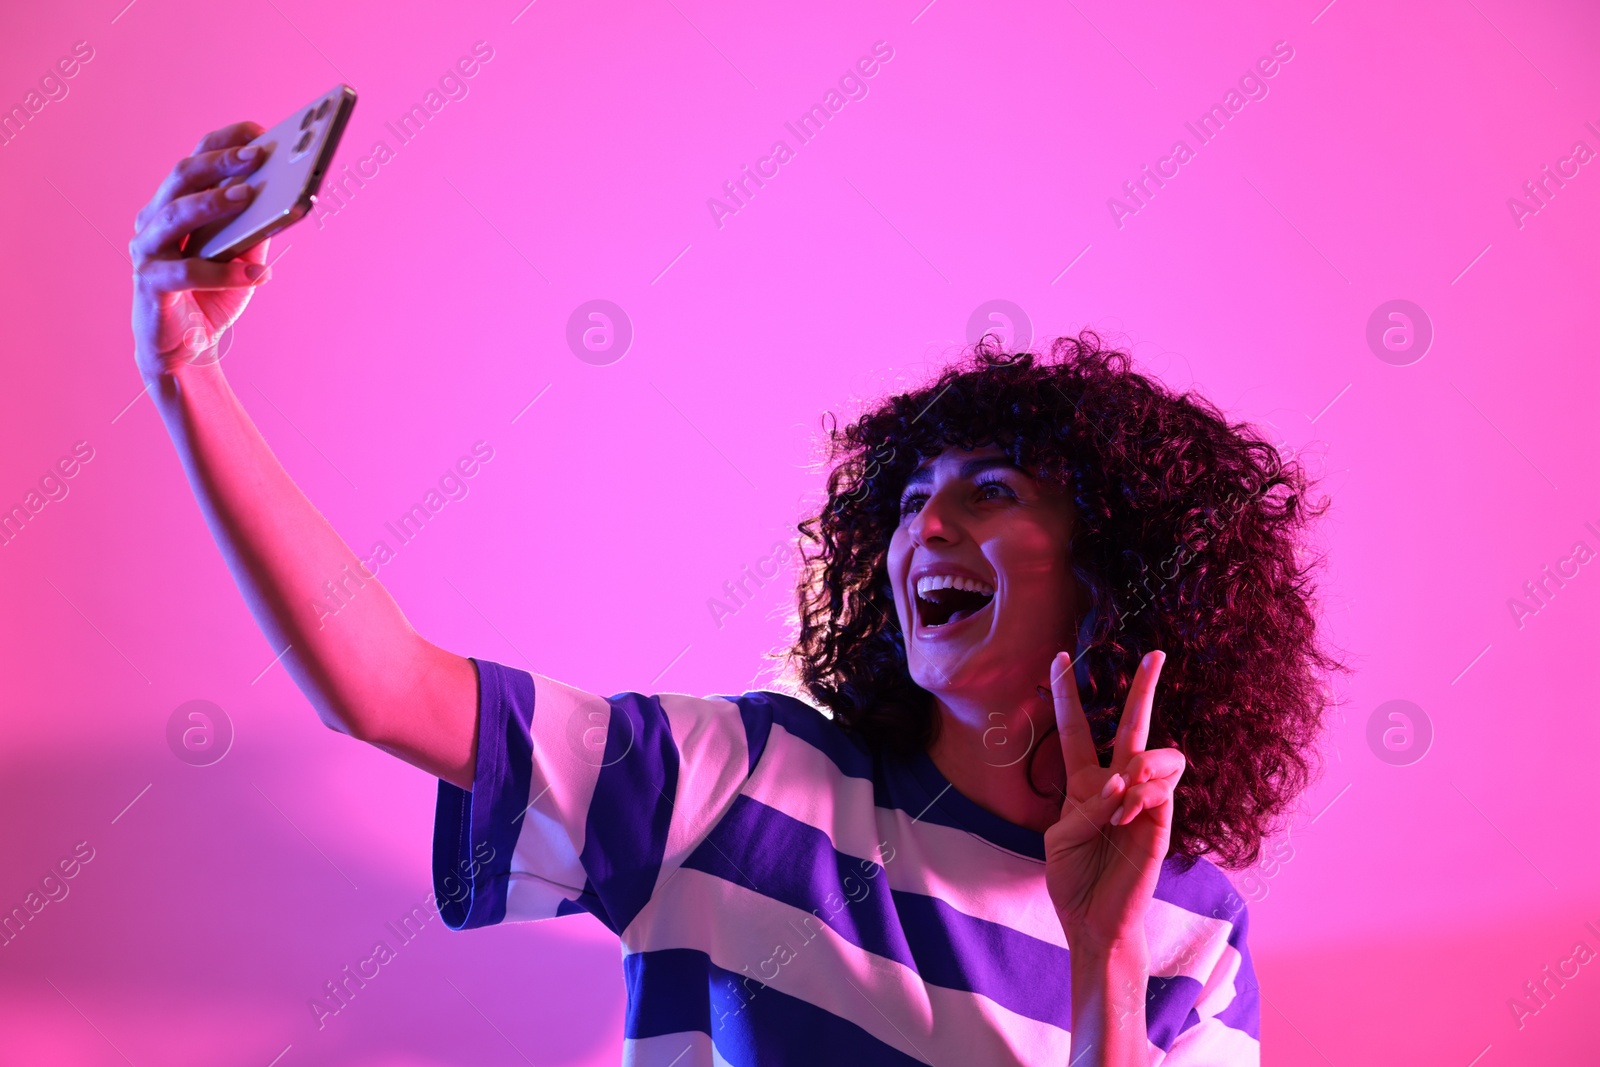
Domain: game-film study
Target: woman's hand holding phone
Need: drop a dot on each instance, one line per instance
(182, 303)
(368, 674)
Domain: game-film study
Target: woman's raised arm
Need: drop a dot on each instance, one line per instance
(367, 672)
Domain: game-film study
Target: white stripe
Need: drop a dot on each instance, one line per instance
(530, 898)
(747, 933)
(1208, 1043)
(544, 865)
(1185, 944)
(802, 782)
(713, 763)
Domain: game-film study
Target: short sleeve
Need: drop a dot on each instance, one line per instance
(581, 802)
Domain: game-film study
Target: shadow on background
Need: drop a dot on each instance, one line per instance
(205, 923)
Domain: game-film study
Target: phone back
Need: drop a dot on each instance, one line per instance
(299, 150)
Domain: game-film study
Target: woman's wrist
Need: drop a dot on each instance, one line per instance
(1109, 980)
(184, 384)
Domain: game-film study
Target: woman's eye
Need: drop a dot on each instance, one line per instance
(996, 490)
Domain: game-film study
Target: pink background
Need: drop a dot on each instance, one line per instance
(416, 321)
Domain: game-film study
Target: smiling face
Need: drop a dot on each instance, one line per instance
(980, 574)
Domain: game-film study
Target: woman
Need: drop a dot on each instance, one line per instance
(1065, 638)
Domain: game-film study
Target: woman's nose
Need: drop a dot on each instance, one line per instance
(933, 521)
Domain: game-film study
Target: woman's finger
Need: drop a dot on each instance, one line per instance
(228, 136)
(256, 253)
(1154, 763)
(177, 275)
(1153, 796)
(197, 172)
(1134, 730)
(1077, 745)
(166, 229)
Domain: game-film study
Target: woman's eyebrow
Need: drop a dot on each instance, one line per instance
(924, 475)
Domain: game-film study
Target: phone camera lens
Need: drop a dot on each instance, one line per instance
(322, 109)
(307, 120)
(305, 140)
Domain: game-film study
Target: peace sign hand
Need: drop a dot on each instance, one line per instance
(1103, 856)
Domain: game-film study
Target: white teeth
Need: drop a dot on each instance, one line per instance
(950, 581)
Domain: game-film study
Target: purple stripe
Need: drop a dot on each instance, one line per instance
(959, 951)
(914, 786)
(629, 815)
(1169, 1008)
(849, 753)
(1205, 890)
(1244, 1011)
(570, 907)
(756, 711)
(475, 833)
(1029, 976)
(764, 850)
(679, 990)
(669, 992)
(917, 786)
(1202, 889)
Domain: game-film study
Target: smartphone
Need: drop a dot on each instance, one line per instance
(299, 152)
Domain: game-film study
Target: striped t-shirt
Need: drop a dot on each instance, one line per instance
(786, 896)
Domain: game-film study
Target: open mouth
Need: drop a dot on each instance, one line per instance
(945, 599)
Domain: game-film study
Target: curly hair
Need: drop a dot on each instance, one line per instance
(1188, 536)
